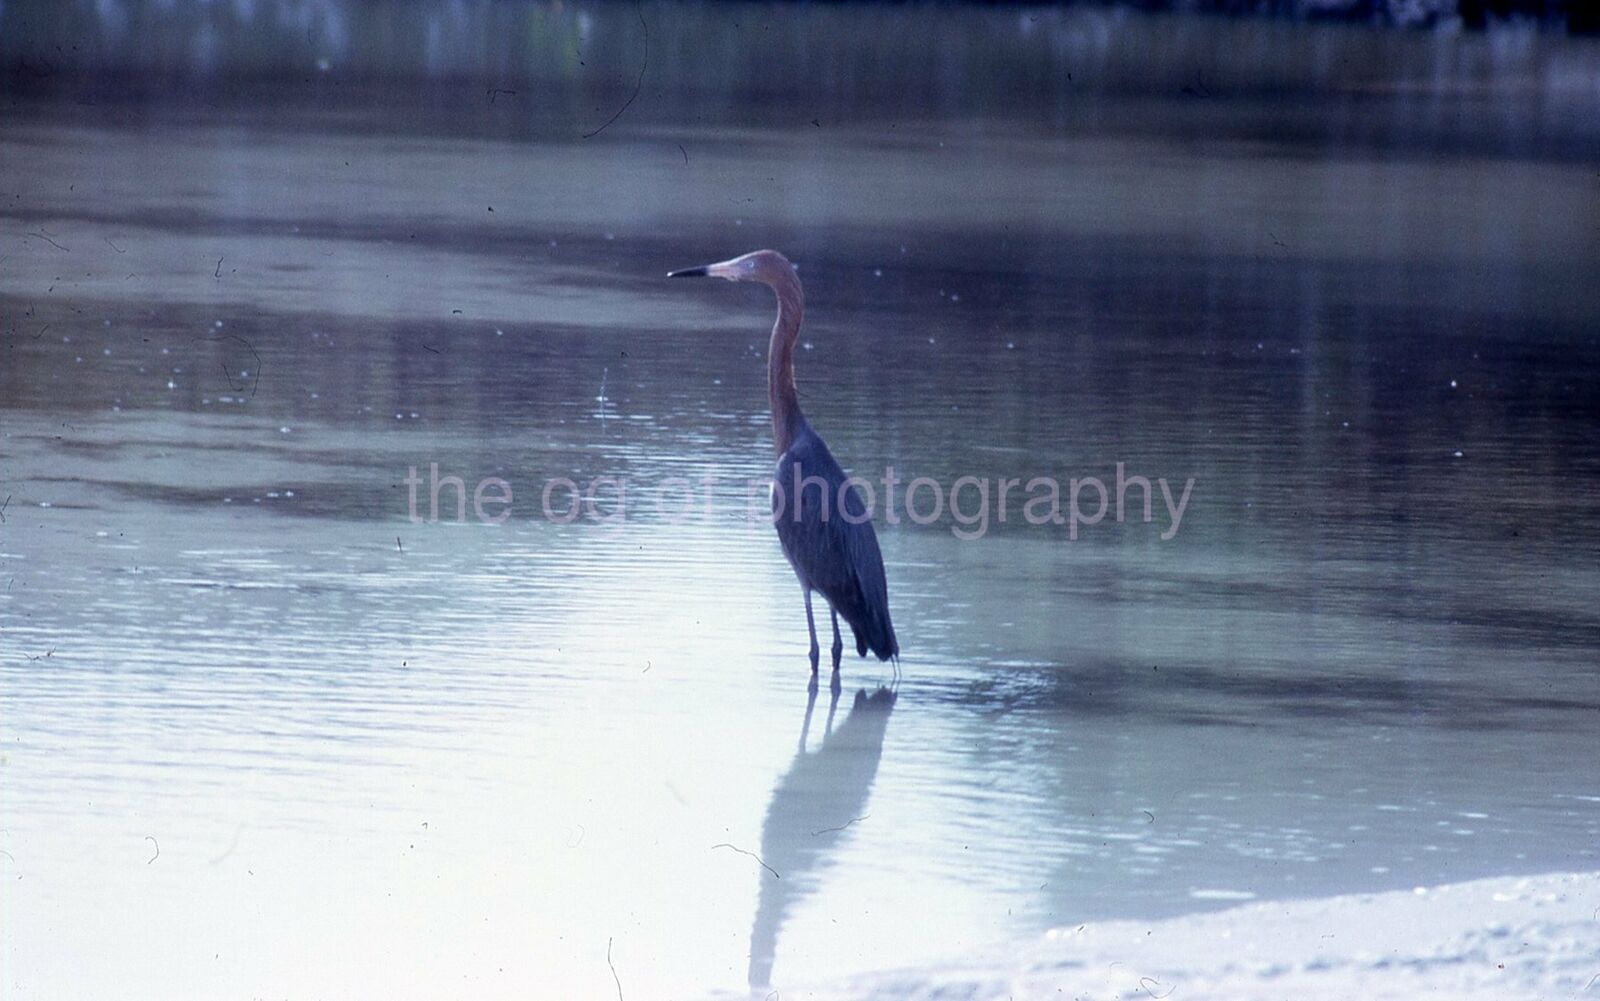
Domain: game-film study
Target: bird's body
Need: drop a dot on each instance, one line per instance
(823, 525)
(838, 555)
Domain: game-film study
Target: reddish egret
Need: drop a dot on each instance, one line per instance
(822, 523)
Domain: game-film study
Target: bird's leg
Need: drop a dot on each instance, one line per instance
(811, 625)
(838, 644)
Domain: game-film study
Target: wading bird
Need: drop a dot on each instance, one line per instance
(821, 521)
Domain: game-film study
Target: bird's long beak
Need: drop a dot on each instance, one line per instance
(722, 269)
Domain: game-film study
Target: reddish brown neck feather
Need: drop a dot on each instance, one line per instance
(786, 417)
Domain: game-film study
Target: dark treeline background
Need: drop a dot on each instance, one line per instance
(39, 40)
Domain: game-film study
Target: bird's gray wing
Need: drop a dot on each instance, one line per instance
(833, 551)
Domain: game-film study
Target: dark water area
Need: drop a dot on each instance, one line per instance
(263, 724)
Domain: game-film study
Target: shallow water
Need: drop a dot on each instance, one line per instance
(266, 734)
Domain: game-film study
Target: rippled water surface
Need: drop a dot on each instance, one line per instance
(265, 734)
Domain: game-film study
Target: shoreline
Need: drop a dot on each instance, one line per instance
(1497, 938)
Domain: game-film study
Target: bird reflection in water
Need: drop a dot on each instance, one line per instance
(813, 809)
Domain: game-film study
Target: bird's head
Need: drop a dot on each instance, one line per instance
(765, 266)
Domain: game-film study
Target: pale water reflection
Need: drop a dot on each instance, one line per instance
(813, 807)
(264, 735)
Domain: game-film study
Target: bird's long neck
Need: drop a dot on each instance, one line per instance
(786, 417)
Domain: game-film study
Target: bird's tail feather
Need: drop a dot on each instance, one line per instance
(876, 634)
(870, 622)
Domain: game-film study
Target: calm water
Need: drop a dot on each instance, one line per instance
(264, 734)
